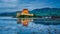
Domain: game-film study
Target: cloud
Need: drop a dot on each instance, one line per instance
(9, 1)
(15, 5)
(8, 5)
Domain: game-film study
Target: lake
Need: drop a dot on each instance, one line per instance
(9, 25)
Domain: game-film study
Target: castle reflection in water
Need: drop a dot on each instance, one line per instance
(24, 21)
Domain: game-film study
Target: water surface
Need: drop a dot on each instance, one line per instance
(9, 25)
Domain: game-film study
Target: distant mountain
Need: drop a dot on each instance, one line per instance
(8, 14)
(38, 12)
(46, 12)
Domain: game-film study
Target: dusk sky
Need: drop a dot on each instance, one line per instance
(15, 5)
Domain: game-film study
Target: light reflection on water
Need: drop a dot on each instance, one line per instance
(29, 26)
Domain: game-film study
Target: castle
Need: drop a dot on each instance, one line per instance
(24, 12)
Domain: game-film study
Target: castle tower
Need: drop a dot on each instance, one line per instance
(25, 11)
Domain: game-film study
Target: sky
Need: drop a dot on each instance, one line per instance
(19, 5)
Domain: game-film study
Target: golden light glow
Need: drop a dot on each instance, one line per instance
(25, 21)
(24, 12)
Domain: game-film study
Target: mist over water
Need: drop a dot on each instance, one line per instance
(9, 25)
